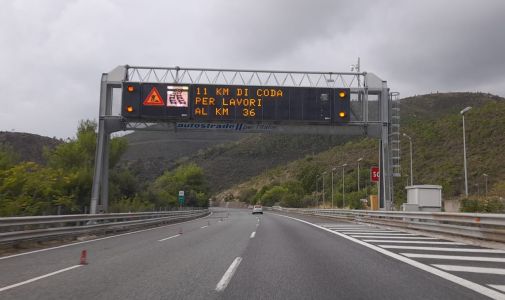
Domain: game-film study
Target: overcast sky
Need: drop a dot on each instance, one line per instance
(52, 52)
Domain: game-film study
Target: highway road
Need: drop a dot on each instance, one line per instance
(232, 254)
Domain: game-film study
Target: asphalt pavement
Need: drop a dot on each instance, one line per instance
(233, 254)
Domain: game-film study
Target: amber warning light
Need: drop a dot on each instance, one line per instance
(129, 108)
(130, 89)
(342, 114)
(341, 94)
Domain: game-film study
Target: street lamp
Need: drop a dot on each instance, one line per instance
(359, 159)
(332, 196)
(485, 180)
(323, 188)
(411, 174)
(464, 147)
(343, 185)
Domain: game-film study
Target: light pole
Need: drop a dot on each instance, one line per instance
(332, 196)
(464, 147)
(343, 185)
(317, 197)
(411, 174)
(323, 187)
(359, 159)
(485, 181)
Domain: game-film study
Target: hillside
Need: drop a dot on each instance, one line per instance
(434, 123)
(150, 153)
(227, 158)
(27, 146)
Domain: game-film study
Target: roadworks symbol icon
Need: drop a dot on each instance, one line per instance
(154, 98)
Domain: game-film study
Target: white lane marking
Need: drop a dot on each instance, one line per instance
(397, 237)
(100, 239)
(443, 249)
(170, 237)
(448, 276)
(455, 257)
(380, 234)
(413, 242)
(367, 231)
(38, 278)
(223, 283)
(343, 225)
(346, 227)
(479, 270)
(498, 287)
(204, 226)
(253, 234)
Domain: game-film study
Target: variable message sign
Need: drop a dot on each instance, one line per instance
(255, 104)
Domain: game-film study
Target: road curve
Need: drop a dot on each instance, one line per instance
(228, 255)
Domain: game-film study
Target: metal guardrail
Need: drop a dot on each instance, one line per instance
(474, 225)
(18, 229)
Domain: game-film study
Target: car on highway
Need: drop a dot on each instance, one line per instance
(257, 209)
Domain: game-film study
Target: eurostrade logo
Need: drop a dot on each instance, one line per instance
(226, 126)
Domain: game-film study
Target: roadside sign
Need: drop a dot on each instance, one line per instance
(374, 174)
(181, 198)
(154, 98)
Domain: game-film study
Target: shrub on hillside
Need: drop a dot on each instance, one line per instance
(483, 205)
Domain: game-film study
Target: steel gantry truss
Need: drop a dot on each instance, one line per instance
(370, 113)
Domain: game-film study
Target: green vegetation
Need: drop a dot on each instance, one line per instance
(63, 184)
(188, 178)
(434, 123)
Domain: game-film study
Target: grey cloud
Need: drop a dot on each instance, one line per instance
(53, 51)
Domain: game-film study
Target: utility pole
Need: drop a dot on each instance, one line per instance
(464, 148)
(411, 174)
(359, 159)
(323, 188)
(332, 195)
(343, 185)
(485, 181)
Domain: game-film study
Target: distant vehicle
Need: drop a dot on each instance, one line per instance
(250, 207)
(257, 209)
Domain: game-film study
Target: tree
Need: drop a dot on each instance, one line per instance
(188, 178)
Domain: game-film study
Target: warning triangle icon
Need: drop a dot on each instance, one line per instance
(154, 98)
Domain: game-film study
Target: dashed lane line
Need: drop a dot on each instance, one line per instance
(170, 237)
(225, 280)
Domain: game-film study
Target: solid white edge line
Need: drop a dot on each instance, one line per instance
(455, 257)
(458, 280)
(170, 237)
(253, 234)
(223, 283)
(38, 278)
(204, 226)
(99, 239)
